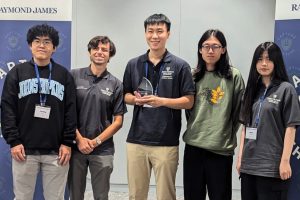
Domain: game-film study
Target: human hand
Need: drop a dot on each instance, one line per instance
(285, 170)
(154, 101)
(64, 154)
(85, 145)
(18, 153)
(138, 101)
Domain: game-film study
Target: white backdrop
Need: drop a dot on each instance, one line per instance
(244, 23)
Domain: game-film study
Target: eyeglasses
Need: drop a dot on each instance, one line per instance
(38, 42)
(213, 47)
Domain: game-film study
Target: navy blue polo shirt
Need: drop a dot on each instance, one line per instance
(158, 126)
(98, 100)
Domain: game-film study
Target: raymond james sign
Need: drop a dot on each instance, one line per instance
(28, 10)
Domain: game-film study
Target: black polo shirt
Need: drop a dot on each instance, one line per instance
(98, 100)
(158, 126)
(279, 110)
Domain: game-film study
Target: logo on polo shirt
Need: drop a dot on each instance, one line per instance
(273, 99)
(106, 92)
(167, 74)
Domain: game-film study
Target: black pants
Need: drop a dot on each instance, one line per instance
(206, 171)
(263, 188)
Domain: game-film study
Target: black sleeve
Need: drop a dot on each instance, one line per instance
(70, 111)
(186, 83)
(127, 80)
(9, 109)
(119, 104)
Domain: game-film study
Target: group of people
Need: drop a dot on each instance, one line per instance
(62, 123)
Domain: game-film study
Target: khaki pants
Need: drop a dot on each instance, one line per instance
(54, 177)
(140, 161)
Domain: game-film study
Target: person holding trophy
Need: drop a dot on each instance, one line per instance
(159, 85)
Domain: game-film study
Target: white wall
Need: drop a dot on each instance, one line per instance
(244, 23)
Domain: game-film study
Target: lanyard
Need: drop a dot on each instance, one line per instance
(43, 97)
(261, 99)
(160, 71)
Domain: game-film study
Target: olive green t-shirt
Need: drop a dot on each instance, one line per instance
(213, 122)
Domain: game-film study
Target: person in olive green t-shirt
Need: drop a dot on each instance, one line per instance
(213, 122)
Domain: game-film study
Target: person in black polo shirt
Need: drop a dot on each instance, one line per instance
(153, 138)
(100, 109)
(270, 115)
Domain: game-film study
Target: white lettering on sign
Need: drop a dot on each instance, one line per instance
(296, 80)
(296, 151)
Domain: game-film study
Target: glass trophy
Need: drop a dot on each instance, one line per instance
(145, 88)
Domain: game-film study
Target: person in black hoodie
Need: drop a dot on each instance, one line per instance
(38, 112)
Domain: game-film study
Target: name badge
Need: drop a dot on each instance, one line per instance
(42, 111)
(251, 133)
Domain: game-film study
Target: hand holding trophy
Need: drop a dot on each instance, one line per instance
(145, 88)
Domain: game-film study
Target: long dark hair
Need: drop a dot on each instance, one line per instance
(222, 66)
(254, 80)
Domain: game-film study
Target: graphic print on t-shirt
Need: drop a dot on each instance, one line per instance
(212, 96)
(30, 86)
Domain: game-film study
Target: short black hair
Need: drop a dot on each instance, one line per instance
(94, 42)
(156, 19)
(43, 30)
